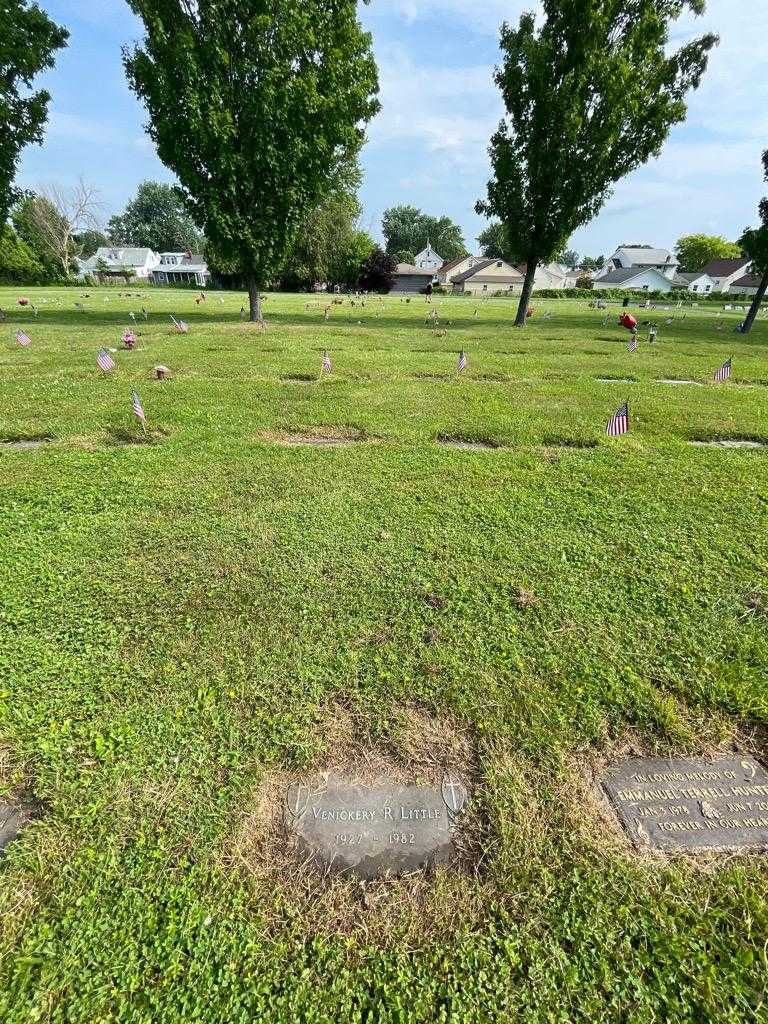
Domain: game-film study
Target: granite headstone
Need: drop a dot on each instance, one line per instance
(374, 831)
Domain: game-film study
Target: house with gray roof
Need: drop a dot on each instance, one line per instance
(645, 257)
(725, 272)
(487, 278)
(181, 268)
(746, 285)
(120, 261)
(410, 278)
(647, 279)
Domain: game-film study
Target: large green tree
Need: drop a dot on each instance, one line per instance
(590, 94)
(254, 104)
(28, 43)
(494, 242)
(329, 246)
(695, 251)
(156, 219)
(754, 243)
(18, 264)
(407, 229)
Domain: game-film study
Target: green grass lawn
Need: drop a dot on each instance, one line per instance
(185, 621)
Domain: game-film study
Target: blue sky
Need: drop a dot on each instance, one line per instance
(428, 146)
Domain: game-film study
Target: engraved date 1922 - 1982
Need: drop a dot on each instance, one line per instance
(355, 838)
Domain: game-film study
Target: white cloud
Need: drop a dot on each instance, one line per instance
(444, 113)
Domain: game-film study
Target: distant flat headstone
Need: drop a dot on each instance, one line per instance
(691, 805)
(13, 818)
(374, 831)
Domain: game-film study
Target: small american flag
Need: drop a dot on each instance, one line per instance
(632, 346)
(104, 360)
(132, 316)
(138, 408)
(462, 361)
(23, 338)
(618, 424)
(725, 371)
(326, 363)
(144, 313)
(242, 312)
(179, 325)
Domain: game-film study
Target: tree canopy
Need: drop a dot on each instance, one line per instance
(494, 242)
(378, 274)
(18, 263)
(254, 104)
(590, 95)
(28, 43)
(156, 219)
(695, 251)
(407, 229)
(330, 247)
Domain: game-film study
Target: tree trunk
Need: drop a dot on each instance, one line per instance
(754, 309)
(254, 299)
(525, 298)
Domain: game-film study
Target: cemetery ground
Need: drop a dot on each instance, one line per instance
(192, 618)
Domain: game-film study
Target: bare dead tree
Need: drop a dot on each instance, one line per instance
(58, 214)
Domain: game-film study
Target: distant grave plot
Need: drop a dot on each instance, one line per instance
(14, 817)
(679, 380)
(472, 444)
(321, 437)
(616, 380)
(729, 442)
(22, 444)
(374, 831)
(691, 805)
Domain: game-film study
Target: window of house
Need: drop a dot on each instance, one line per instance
(694, 288)
(708, 288)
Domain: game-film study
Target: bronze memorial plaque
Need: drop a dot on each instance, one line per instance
(374, 831)
(690, 805)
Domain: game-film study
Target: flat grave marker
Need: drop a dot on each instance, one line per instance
(13, 818)
(378, 831)
(690, 805)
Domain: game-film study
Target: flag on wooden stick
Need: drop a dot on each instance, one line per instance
(724, 372)
(23, 339)
(632, 346)
(138, 408)
(618, 424)
(462, 361)
(326, 363)
(104, 360)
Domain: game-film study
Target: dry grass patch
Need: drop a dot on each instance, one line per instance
(412, 748)
(320, 436)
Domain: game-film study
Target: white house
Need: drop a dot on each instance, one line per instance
(551, 275)
(647, 279)
(488, 277)
(120, 260)
(724, 272)
(181, 268)
(453, 268)
(428, 259)
(698, 284)
(643, 257)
